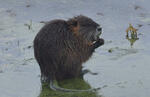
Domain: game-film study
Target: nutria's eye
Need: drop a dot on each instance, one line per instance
(99, 29)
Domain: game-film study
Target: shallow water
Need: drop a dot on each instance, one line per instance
(122, 73)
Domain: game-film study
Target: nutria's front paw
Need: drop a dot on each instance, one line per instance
(98, 43)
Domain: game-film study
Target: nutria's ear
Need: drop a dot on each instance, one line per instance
(73, 23)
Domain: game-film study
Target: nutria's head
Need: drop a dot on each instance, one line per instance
(86, 27)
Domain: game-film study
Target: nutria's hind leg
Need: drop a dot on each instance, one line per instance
(44, 79)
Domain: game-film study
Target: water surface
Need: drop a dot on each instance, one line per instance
(125, 72)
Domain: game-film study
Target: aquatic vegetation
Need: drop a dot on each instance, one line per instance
(132, 31)
(133, 34)
(77, 83)
(132, 40)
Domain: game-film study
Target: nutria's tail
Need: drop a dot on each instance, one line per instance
(57, 88)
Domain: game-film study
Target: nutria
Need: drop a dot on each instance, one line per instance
(61, 47)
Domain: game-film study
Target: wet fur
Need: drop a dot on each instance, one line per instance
(61, 47)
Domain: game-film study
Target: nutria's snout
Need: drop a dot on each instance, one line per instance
(97, 36)
(100, 41)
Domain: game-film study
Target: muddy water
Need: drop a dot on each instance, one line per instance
(123, 72)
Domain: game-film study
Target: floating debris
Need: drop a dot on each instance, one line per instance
(136, 7)
(139, 25)
(132, 31)
(110, 50)
(105, 86)
(1, 71)
(133, 34)
(9, 10)
(29, 25)
(44, 22)
(101, 14)
(28, 5)
(29, 47)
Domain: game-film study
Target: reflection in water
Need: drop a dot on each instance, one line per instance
(132, 39)
(133, 35)
(77, 83)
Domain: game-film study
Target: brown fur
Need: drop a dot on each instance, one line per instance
(61, 47)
